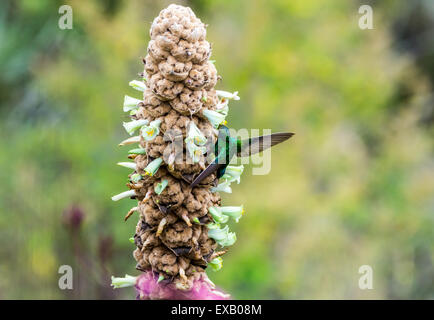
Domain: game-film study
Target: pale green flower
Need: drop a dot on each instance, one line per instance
(223, 187)
(214, 117)
(138, 85)
(137, 151)
(131, 103)
(233, 173)
(195, 151)
(134, 125)
(222, 236)
(195, 135)
(216, 264)
(136, 177)
(127, 281)
(228, 95)
(234, 212)
(150, 131)
(153, 167)
(161, 186)
(217, 215)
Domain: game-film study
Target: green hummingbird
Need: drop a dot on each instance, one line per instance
(227, 147)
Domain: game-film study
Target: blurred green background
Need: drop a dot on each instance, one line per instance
(354, 187)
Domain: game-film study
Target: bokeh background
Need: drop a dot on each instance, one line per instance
(354, 187)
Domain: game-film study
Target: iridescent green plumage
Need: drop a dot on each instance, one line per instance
(227, 147)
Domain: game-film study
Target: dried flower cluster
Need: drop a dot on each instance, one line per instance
(178, 232)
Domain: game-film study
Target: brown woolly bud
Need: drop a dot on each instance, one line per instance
(166, 41)
(152, 107)
(202, 52)
(172, 196)
(174, 70)
(156, 147)
(163, 88)
(151, 65)
(211, 100)
(184, 51)
(188, 102)
(181, 238)
(181, 22)
(156, 52)
(202, 76)
(184, 170)
(199, 200)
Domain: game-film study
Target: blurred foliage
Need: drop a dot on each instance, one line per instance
(355, 186)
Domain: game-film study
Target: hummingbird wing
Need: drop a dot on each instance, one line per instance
(205, 173)
(257, 144)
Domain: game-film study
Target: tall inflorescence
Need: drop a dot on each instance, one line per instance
(180, 230)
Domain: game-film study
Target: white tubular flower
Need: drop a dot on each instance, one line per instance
(234, 212)
(223, 107)
(195, 151)
(129, 165)
(153, 167)
(150, 131)
(228, 95)
(127, 281)
(138, 85)
(195, 135)
(233, 173)
(223, 187)
(134, 125)
(216, 264)
(214, 117)
(131, 104)
(222, 236)
(132, 140)
(161, 186)
(123, 195)
(217, 215)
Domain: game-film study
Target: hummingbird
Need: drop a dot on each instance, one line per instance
(227, 147)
